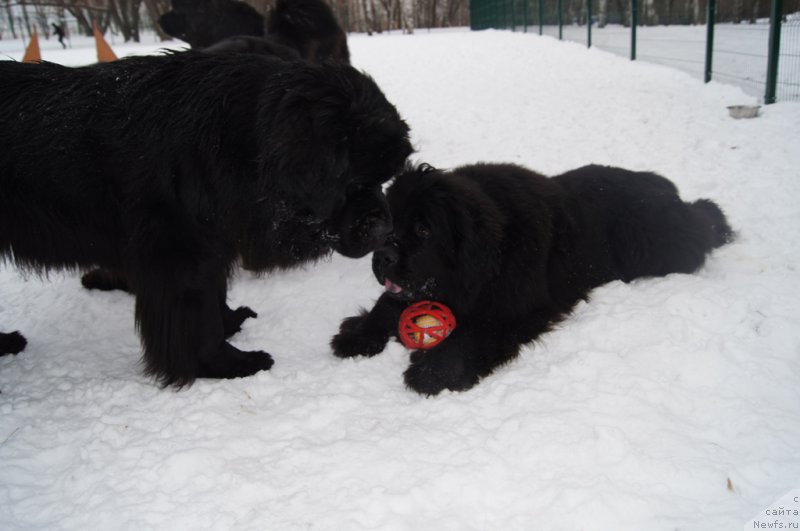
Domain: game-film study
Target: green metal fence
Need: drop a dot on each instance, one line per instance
(761, 55)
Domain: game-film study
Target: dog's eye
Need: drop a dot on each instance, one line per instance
(422, 231)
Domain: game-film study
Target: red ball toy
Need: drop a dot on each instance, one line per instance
(425, 324)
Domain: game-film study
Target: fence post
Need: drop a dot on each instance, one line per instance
(560, 19)
(589, 23)
(634, 22)
(774, 50)
(711, 18)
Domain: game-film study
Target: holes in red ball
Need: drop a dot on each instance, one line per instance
(425, 324)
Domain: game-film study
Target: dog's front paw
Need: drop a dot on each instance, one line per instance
(12, 343)
(430, 373)
(230, 362)
(357, 338)
(232, 319)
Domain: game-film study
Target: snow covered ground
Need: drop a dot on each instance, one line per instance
(670, 403)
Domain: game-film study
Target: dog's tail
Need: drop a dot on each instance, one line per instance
(712, 213)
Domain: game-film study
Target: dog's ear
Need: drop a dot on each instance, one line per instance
(473, 225)
(304, 150)
(325, 129)
(480, 246)
(172, 23)
(380, 145)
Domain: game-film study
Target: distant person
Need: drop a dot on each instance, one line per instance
(58, 30)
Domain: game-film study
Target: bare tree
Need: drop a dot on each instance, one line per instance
(407, 10)
(388, 7)
(369, 16)
(457, 13)
(10, 16)
(125, 16)
(129, 17)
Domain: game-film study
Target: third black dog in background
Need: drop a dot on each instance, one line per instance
(511, 252)
(308, 27)
(202, 23)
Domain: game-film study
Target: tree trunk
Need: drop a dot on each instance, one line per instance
(26, 19)
(10, 16)
(738, 11)
(367, 23)
(84, 24)
(387, 7)
(753, 13)
(407, 7)
(624, 13)
(453, 8)
(602, 13)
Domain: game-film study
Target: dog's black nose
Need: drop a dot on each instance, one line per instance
(384, 258)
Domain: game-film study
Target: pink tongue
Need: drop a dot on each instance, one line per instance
(391, 287)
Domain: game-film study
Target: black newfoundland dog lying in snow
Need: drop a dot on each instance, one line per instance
(511, 252)
(168, 170)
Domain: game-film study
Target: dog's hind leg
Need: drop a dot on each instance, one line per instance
(675, 238)
(182, 328)
(12, 343)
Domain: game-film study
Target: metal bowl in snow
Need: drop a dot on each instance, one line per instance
(743, 111)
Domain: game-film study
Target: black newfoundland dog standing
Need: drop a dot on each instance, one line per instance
(511, 252)
(169, 170)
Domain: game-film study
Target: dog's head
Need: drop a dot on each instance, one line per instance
(446, 238)
(330, 140)
(311, 28)
(202, 23)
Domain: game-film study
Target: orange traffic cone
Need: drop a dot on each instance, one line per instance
(32, 53)
(104, 52)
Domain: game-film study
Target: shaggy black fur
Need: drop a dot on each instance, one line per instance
(257, 45)
(511, 252)
(168, 170)
(308, 27)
